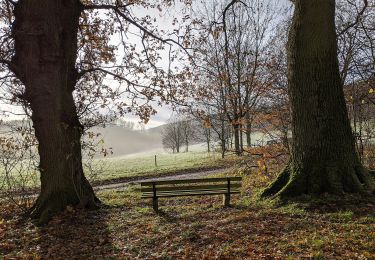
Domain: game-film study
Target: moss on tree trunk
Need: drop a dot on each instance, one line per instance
(323, 156)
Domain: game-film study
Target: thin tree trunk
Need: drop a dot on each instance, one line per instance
(223, 136)
(323, 156)
(248, 130)
(241, 138)
(236, 132)
(230, 138)
(45, 34)
(208, 139)
(223, 148)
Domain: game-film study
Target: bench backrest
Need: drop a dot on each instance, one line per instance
(224, 185)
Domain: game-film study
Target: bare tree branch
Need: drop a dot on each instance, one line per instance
(83, 72)
(11, 2)
(11, 67)
(6, 62)
(357, 20)
(117, 10)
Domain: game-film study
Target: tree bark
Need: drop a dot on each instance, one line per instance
(45, 34)
(177, 148)
(241, 138)
(323, 158)
(207, 132)
(223, 147)
(248, 132)
(236, 132)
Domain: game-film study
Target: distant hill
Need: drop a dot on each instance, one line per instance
(156, 130)
(124, 141)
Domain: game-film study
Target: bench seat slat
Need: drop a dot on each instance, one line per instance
(191, 187)
(187, 191)
(150, 183)
(192, 193)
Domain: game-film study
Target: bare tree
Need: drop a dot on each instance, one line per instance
(172, 135)
(356, 43)
(187, 129)
(232, 64)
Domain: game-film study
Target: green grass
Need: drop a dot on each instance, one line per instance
(200, 228)
(138, 165)
(144, 164)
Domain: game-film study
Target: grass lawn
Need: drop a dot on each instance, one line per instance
(199, 228)
(108, 170)
(144, 164)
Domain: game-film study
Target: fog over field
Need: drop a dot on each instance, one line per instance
(125, 141)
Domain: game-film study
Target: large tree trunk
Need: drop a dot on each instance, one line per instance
(323, 157)
(45, 33)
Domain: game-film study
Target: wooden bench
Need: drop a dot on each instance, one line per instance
(190, 187)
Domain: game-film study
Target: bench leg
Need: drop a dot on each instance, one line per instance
(226, 200)
(155, 205)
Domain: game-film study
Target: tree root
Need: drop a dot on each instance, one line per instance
(372, 173)
(281, 180)
(46, 207)
(333, 179)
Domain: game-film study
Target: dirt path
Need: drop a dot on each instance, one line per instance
(198, 174)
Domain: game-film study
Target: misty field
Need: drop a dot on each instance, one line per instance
(144, 164)
(112, 169)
